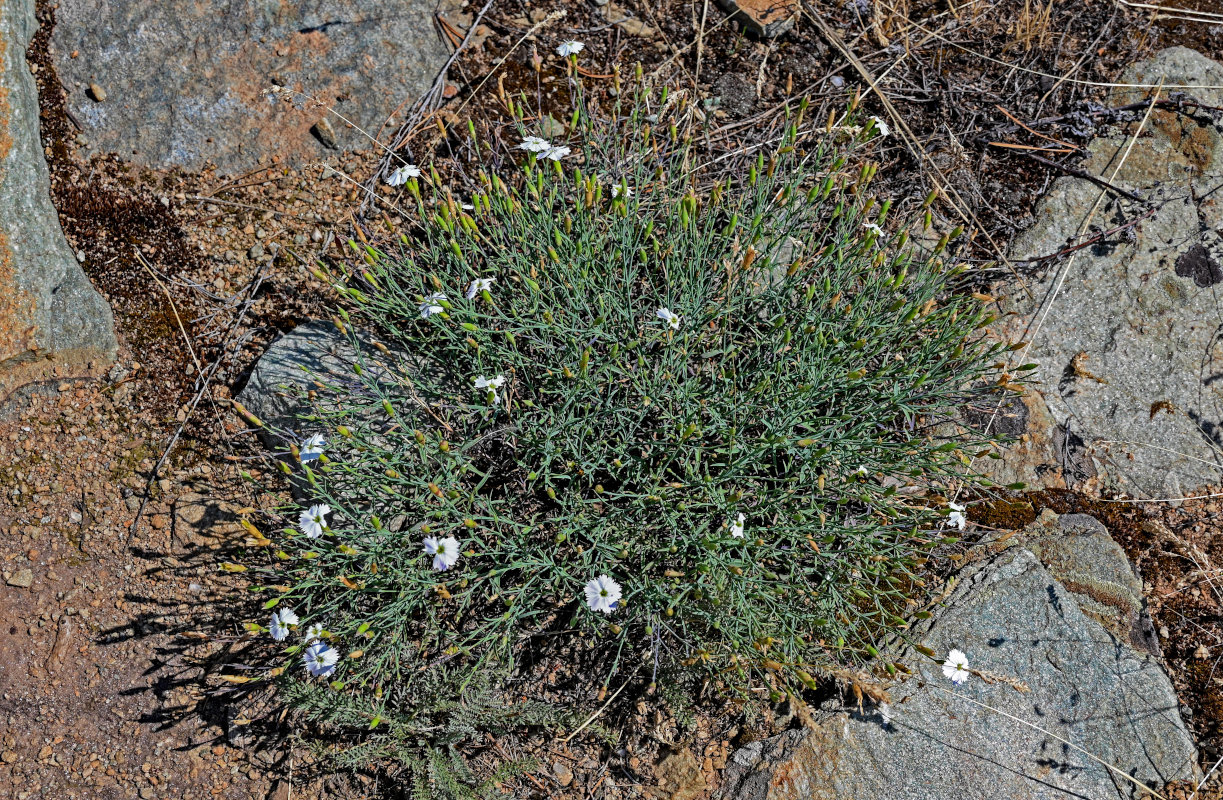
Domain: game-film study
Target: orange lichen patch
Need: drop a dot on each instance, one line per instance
(1162, 405)
(1195, 142)
(16, 312)
(6, 113)
(16, 307)
(6, 141)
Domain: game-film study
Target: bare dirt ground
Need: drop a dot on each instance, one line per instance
(117, 630)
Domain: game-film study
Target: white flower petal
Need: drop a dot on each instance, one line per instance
(402, 175)
(312, 447)
(602, 594)
(313, 520)
(668, 316)
(956, 667)
(278, 628)
(432, 305)
(477, 286)
(570, 48)
(320, 659)
(534, 144)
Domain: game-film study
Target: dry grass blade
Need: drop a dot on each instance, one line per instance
(1188, 15)
(1063, 78)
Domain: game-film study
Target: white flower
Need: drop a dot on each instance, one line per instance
(491, 383)
(312, 448)
(668, 316)
(432, 305)
(602, 594)
(956, 518)
(479, 285)
(881, 126)
(445, 552)
(534, 144)
(956, 667)
(320, 659)
(556, 153)
(736, 528)
(885, 713)
(570, 48)
(870, 226)
(313, 519)
(862, 470)
(279, 628)
(617, 190)
(400, 176)
(315, 631)
(288, 617)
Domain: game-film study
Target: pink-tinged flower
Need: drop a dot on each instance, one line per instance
(445, 552)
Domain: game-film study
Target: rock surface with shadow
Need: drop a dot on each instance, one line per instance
(1124, 321)
(1051, 684)
(278, 386)
(53, 324)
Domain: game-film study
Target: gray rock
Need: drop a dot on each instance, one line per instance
(278, 385)
(53, 324)
(188, 82)
(1017, 622)
(1128, 348)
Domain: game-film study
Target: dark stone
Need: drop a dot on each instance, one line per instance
(1198, 264)
(1073, 457)
(737, 96)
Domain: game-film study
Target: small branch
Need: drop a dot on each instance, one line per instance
(1078, 173)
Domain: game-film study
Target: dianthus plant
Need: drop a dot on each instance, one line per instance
(695, 413)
